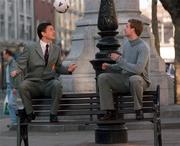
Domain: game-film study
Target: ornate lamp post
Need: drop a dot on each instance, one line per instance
(111, 132)
(107, 24)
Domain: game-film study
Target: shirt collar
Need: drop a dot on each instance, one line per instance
(43, 44)
(135, 42)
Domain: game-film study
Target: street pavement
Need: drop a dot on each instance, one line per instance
(140, 134)
(170, 137)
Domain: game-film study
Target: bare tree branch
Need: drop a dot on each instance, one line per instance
(173, 7)
(155, 25)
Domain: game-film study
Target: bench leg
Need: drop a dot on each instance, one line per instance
(18, 132)
(157, 133)
(22, 135)
(157, 127)
(111, 133)
(22, 129)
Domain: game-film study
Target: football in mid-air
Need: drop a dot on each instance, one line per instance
(61, 6)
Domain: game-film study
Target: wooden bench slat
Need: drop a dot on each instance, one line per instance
(67, 101)
(131, 110)
(69, 112)
(78, 106)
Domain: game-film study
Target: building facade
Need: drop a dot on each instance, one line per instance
(20, 18)
(43, 12)
(16, 20)
(65, 23)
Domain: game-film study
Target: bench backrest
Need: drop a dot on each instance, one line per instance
(84, 104)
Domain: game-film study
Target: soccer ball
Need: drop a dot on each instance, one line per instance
(61, 6)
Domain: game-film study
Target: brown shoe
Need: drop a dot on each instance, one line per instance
(110, 115)
(139, 114)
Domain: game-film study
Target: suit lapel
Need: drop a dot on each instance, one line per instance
(51, 50)
(39, 51)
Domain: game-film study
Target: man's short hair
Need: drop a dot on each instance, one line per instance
(41, 28)
(9, 52)
(137, 25)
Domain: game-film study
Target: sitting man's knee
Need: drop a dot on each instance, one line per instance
(58, 84)
(102, 77)
(136, 79)
(23, 85)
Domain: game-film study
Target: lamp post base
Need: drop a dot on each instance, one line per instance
(111, 134)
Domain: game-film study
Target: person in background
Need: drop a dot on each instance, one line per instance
(11, 85)
(130, 73)
(43, 65)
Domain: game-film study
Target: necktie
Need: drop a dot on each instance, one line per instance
(46, 55)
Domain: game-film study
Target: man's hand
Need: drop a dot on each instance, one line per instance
(14, 92)
(72, 67)
(14, 73)
(105, 66)
(115, 56)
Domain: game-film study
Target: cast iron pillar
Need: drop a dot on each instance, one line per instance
(107, 132)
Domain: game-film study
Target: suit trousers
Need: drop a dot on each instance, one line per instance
(49, 88)
(123, 83)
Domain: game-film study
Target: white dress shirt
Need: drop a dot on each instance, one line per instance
(43, 46)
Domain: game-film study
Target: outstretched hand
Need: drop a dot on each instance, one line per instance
(72, 67)
(105, 66)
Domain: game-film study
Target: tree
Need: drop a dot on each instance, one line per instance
(173, 7)
(155, 25)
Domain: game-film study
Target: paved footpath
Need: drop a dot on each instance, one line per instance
(171, 137)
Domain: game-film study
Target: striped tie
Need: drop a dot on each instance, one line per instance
(46, 55)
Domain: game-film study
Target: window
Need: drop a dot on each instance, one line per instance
(29, 29)
(28, 7)
(2, 19)
(21, 6)
(2, 29)
(11, 21)
(11, 31)
(21, 28)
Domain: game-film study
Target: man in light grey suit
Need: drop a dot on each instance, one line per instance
(129, 73)
(42, 64)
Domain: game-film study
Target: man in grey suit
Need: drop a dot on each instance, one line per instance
(42, 64)
(129, 73)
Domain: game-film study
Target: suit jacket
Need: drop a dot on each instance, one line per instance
(32, 62)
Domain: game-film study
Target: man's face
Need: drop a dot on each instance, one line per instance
(128, 31)
(49, 33)
(5, 56)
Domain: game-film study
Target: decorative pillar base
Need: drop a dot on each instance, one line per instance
(111, 134)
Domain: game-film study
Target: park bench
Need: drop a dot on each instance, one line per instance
(83, 108)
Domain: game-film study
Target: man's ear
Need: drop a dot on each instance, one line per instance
(43, 34)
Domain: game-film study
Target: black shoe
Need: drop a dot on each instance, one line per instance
(53, 118)
(31, 117)
(139, 114)
(110, 115)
